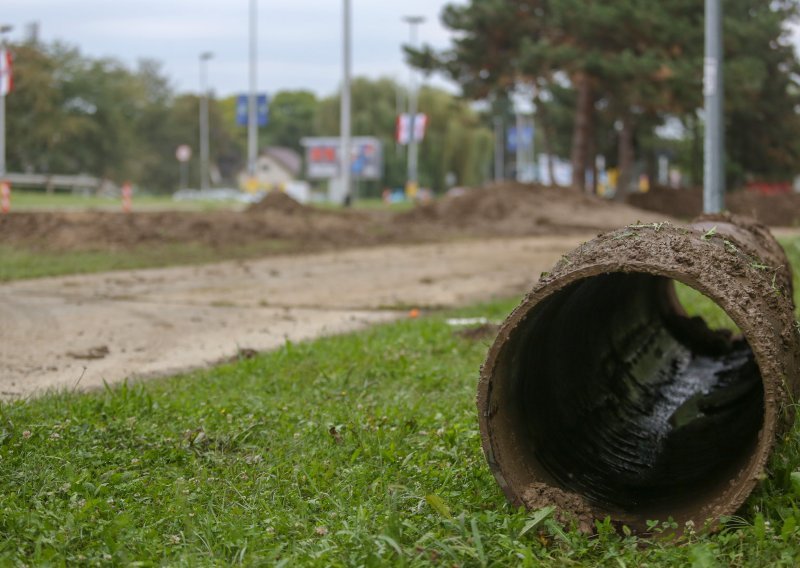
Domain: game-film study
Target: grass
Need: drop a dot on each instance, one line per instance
(28, 200)
(361, 450)
(21, 263)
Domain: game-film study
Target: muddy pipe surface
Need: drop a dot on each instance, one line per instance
(600, 396)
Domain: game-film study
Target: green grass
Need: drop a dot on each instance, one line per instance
(29, 200)
(349, 451)
(20, 263)
(360, 450)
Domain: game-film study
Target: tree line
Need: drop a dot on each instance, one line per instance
(70, 113)
(606, 76)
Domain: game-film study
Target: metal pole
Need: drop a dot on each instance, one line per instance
(252, 117)
(344, 157)
(2, 136)
(713, 90)
(204, 57)
(413, 152)
(499, 147)
(3, 30)
(520, 150)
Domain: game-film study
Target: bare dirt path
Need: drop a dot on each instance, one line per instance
(83, 330)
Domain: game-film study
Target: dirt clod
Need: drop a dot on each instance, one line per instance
(98, 352)
(569, 506)
(479, 332)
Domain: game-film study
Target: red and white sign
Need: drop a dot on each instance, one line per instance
(6, 76)
(127, 197)
(403, 134)
(5, 196)
(183, 153)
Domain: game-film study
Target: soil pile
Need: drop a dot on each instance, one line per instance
(517, 209)
(774, 210)
(497, 211)
(278, 201)
(118, 231)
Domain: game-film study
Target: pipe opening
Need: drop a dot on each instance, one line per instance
(619, 395)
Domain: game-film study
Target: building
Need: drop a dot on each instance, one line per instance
(276, 168)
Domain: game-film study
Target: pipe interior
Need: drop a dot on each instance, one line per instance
(624, 399)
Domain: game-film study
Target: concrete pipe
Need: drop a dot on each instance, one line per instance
(600, 396)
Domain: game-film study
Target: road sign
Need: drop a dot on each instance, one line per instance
(262, 109)
(525, 141)
(183, 153)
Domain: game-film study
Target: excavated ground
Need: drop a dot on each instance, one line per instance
(507, 210)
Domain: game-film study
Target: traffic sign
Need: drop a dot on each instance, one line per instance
(183, 153)
(262, 109)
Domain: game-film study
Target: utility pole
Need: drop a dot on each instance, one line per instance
(252, 117)
(499, 149)
(413, 182)
(204, 57)
(344, 127)
(3, 31)
(713, 90)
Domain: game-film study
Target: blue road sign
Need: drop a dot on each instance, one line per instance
(262, 110)
(525, 142)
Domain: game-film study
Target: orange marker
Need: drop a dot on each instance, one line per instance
(5, 196)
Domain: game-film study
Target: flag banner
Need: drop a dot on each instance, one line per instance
(6, 77)
(403, 132)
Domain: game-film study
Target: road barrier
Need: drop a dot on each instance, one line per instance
(601, 397)
(5, 197)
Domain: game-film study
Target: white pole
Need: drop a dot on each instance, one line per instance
(3, 30)
(2, 134)
(252, 117)
(413, 151)
(714, 178)
(344, 157)
(204, 144)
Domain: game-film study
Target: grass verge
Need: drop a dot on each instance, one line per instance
(21, 263)
(354, 450)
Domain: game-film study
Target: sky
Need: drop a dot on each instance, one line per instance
(299, 41)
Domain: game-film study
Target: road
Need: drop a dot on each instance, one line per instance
(81, 331)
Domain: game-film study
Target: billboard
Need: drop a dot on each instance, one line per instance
(322, 157)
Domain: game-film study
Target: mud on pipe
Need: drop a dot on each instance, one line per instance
(602, 397)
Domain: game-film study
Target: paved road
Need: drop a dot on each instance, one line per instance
(83, 330)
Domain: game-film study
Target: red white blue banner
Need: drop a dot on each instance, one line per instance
(6, 77)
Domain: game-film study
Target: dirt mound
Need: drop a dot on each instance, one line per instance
(498, 211)
(277, 201)
(516, 209)
(774, 210)
(118, 231)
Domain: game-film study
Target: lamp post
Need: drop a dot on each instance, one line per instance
(713, 90)
(4, 29)
(204, 57)
(252, 118)
(345, 125)
(413, 158)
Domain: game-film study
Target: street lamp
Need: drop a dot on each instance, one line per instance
(713, 90)
(344, 114)
(252, 119)
(413, 182)
(4, 29)
(204, 57)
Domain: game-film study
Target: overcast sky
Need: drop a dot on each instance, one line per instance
(299, 40)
